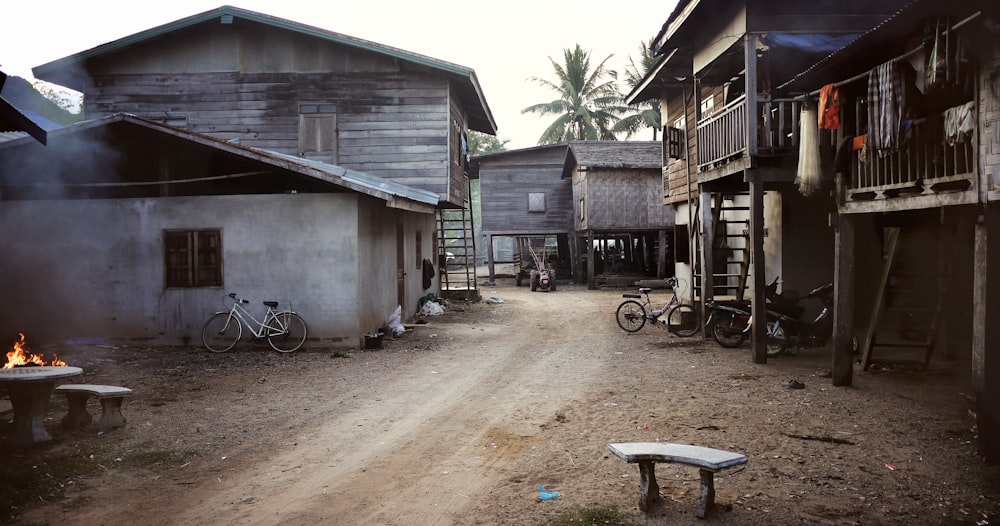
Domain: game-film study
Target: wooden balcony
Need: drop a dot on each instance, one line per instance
(924, 166)
(722, 138)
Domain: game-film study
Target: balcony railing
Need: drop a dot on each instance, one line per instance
(923, 164)
(723, 137)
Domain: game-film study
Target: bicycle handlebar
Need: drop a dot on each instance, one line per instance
(240, 300)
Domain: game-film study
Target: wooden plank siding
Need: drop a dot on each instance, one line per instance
(394, 126)
(676, 190)
(458, 179)
(507, 179)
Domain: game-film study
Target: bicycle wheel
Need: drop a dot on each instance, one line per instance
(683, 320)
(293, 335)
(631, 316)
(729, 330)
(221, 332)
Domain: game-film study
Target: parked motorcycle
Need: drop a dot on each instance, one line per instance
(730, 321)
(786, 328)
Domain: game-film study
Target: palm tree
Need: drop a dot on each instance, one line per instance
(646, 114)
(589, 103)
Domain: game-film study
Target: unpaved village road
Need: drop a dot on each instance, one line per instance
(459, 421)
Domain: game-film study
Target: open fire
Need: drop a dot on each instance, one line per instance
(21, 357)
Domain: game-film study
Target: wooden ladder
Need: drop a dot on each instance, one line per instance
(909, 306)
(455, 235)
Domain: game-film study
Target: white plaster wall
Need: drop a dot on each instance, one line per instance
(96, 268)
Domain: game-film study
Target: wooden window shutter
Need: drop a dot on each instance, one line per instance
(674, 139)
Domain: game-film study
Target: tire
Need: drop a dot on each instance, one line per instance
(683, 320)
(728, 330)
(221, 332)
(631, 316)
(775, 348)
(534, 281)
(291, 339)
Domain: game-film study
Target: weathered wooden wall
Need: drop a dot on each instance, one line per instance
(625, 200)
(392, 120)
(676, 188)
(506, 181)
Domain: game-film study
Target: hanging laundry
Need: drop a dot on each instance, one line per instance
(885, 107)
(829, 107)
(959, 122)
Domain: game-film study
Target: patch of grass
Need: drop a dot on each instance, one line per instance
(145, 459)
(35, 476)
(594, 515)
(26, 480)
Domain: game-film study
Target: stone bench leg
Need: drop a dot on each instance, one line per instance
(706, 493)
(111, 413)
(649, 490)
(77, 416)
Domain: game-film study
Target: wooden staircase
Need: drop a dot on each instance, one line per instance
(730, 249)
(909, 309)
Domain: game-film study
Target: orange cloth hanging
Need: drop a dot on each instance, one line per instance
(829, 107)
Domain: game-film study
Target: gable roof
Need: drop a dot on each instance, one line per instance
(634, 155)
(14, 120)
(65, 71)
(395, 195)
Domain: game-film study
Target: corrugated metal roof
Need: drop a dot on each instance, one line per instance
(364, 183)
(65, 71)
(638, 155)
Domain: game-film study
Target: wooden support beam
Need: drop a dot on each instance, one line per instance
(758, 332)
(707, 241)
(843, 300)
(591, 261)
(986, 332)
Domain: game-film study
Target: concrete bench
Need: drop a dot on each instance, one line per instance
(111, 398)
(708, 461)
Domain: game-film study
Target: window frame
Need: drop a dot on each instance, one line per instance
(202, 263)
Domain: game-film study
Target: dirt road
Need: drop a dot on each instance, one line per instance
(460, 420)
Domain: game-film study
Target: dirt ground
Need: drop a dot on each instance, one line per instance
(462, 418)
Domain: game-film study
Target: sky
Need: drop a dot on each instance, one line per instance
(506, 42)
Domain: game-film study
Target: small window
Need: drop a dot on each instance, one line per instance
(582, 208)
(318, 132)
(536, 202)
(193, 258)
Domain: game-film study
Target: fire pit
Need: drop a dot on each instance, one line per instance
(29, 388)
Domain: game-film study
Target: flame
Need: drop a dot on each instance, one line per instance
(22, 356)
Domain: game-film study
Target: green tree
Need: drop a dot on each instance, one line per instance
(588, 104)
(645, 114)
(482, 143)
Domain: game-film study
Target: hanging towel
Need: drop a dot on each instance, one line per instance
(885, 108)
(829, 107)
(959, 122)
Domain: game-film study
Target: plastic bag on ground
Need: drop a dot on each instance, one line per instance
(431, 308)
(394, 322)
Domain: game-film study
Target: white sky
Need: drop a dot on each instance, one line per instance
(506, 42)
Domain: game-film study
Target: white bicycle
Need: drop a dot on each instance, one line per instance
(285, 330)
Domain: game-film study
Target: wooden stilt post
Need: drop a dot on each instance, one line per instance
(758, 337)
(843, 301)
(986, 332)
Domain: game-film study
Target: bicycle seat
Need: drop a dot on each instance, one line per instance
(645, 290)
(272, 304)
